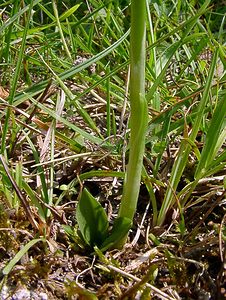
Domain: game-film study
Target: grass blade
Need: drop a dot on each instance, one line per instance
(8, 268)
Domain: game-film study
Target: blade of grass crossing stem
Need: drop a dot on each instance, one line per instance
(15, 80)
(139, 112)
(182, 157)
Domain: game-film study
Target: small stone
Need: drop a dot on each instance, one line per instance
(22, 294)
(43, 296)
(4, 294)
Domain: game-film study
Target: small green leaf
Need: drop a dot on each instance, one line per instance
(69, 230)
(74, 289)
(120, 229)
(92, 219)
(69, 12)
(154, 239)
(194, 147)
(75, 238)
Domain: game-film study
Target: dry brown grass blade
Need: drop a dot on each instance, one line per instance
(3, 93)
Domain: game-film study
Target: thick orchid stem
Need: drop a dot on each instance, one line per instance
(139, 112)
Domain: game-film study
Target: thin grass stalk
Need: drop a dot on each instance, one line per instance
(60, 29)
(51, 171)
(139, 112)
(108, 108)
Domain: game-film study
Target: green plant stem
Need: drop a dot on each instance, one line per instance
(139, 112)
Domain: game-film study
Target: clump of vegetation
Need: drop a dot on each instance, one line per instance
(112, 128)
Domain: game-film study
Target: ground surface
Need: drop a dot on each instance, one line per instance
(185, 266)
